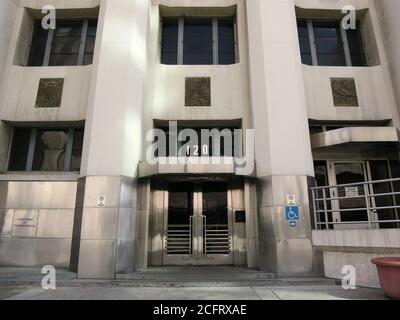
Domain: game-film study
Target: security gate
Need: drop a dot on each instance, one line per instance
(198, 225)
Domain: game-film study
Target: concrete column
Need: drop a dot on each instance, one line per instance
(252, 240)
(104, 235)
(283, 151)
(8, 9)
(142, 235)
(389, 11)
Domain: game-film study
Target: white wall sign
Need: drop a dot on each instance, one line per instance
(101, 201)
(351, 192)
(291, 200)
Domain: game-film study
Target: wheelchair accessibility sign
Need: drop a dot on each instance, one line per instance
(292, 215)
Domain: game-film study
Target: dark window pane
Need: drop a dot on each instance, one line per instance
(90, 42)
(50, 150)
(380, 171)
(347, 173)
(78, 139)
(304, 40)
(226, 41)
(38, 47)
(77, 150)
(19, 150)
(328, 42)
(316, 129)
(92, 28)
(169, 46)
(68, 29)
(306, 59)
(331, 60)
(356, 47)
(64, 60)
(66, 46)
(88, 59)
(198, 44)
(302, 28)
(66, 43)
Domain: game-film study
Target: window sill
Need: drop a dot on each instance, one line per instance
(348, 67)
(199, 65)
(39, 176)
(41, 67)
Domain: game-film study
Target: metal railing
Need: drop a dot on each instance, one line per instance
(370, 204)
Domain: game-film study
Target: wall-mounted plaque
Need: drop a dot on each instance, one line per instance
(49, 93)
(344, 92)
(25, 223)
(198, 92)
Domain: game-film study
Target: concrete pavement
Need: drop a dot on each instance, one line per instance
(168, 284)
(96, 292)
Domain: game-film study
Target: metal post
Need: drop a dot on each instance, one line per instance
(181, 28)
(215, 41)
(314, 209)
(82, 47)
(311, 37)
(366, 196)
(325, 209)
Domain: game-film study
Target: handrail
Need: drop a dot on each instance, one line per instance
(357, 183)
(329, 209)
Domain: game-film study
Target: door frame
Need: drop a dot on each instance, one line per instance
(336, 217)
(197, 231)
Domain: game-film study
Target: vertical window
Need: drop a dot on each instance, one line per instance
(226, 41)
(77, 147)
(66, 43)
(329, 43)
(38, 46)
(70, 44)
(326, 43)
(170, 42)
(19, 149)
(198, 42)
(356, 47)
(304, 39)
(202, 41)
(48, 150)
(90, 42)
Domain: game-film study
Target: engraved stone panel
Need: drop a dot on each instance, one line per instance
(344, 92)
(25, 223)
(49, 93)
(198, 92)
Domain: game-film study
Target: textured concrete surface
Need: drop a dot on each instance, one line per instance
(94, 292)
(175, 284)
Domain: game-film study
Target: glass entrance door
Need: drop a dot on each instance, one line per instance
(198, 225)
(351, 208)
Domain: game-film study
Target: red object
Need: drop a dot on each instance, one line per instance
(389, 275)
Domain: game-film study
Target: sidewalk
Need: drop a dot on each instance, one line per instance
(93, 292)
(25, 284)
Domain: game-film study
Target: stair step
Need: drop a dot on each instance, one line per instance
(196, 277)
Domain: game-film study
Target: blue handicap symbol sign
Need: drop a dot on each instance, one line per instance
(292, 213)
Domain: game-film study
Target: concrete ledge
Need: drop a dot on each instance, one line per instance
(196, 165)
(354, 134)
(377, 238)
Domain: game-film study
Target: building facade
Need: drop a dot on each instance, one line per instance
(98, 169)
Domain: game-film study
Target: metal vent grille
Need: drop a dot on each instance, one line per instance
(179, 240)
(217, 239)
